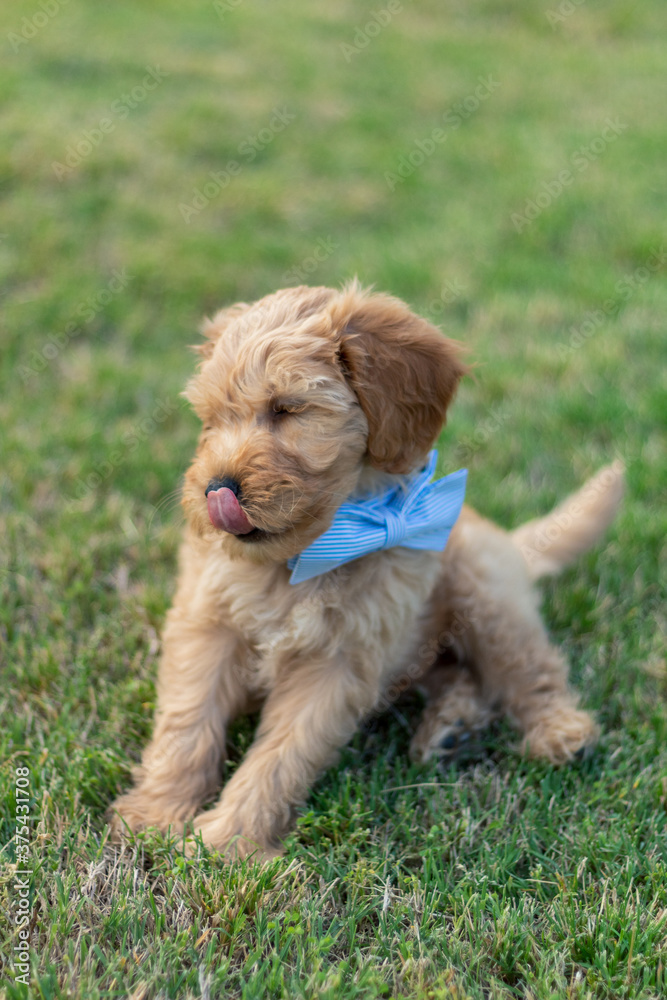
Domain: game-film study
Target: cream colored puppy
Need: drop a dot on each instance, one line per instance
(308, 397)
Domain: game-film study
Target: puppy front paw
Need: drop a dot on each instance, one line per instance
(135, 811)
(234, 840)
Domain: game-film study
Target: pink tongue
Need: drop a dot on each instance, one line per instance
(225, 512)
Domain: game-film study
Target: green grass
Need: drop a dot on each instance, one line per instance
(501, 878)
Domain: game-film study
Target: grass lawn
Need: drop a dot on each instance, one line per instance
(501, 166)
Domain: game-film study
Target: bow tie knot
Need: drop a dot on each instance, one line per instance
(415, 513)
(395, 527)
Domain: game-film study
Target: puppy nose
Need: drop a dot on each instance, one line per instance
(226, 482)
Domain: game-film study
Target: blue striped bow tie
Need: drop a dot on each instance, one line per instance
(416, 514)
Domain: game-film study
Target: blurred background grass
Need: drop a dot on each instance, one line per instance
(104, 284)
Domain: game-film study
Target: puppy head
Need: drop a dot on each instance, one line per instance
(301, 395)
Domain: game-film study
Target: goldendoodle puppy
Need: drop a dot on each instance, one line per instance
(310, 578)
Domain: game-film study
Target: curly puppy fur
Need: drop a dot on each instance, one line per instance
(307, 397)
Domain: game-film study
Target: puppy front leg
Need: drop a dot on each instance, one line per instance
(199, 692)
(309, 715)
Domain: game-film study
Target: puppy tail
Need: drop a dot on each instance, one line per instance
(549, 544)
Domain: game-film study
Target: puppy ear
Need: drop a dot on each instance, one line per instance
(404, 372)
(213, 329)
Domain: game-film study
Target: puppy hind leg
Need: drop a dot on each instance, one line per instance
(546, 710)
(517, 665)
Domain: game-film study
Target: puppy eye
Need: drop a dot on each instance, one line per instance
(286, 409)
